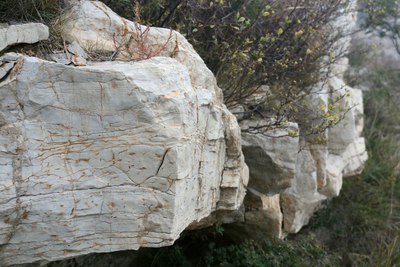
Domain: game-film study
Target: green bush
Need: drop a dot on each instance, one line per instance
(249, 44)
(383, 16)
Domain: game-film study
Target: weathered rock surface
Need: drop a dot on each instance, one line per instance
(263, 215)
(28, 33)
(95, 27)
(321, 167)
(271, 157)
(297, 172)
(114, 155)
(76, 54)
(108, 157)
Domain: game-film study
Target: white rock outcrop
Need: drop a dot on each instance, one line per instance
(113, 155)
(122, 154)
(296, 173)
(28, 33)
(108, 157)
(320, 177)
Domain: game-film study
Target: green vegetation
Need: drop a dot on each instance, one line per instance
(205, 249)
(284, 45)
(363, 223)
(30, 10)
(383, 16)
(305, 252)
(249, 44)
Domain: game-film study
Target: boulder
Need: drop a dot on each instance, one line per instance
(95, 27)
(112, 155)
(301, 199)
(321, 168)
(263, 215)
(108, 157)
(271, 156)
(28, 33)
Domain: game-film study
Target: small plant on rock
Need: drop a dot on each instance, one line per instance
(250, 45)
(137, 43)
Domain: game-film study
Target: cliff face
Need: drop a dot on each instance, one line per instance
(118, 155)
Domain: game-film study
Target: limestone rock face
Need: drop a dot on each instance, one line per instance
(28, 33)
(297, 173)
(95, 27)
(111, 156)
(263, 215)
(122, 154)
(271, 157)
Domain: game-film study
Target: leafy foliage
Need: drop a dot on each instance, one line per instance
(383, 16)
(250, 45)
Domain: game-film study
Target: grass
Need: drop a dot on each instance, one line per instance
(359, 228)
(363, 223)
(29, 10)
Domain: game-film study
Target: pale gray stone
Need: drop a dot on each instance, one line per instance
(60, 58)
(316, 168)
(5, 68)
(76, 54)
(298, 209)
(271, 157)
(263, 215)
(77, 50)
(110, 157)
(95, 27)
(28, 33)
(9, 57)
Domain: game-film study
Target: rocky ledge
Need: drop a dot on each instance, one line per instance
(122, 154)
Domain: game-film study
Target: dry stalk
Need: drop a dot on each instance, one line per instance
(137, 46)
